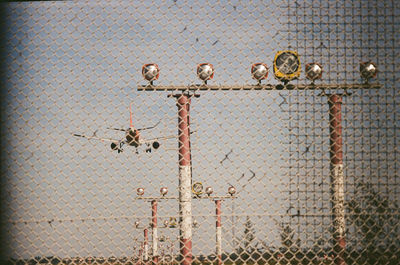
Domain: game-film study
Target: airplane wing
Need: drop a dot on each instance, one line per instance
(96, 138)
(139, 129)
(117, 129)
(158, 139)
(146, 141)
(151, 127)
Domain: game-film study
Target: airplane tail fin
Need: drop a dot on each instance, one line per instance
(130, 116)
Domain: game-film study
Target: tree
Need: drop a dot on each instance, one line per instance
(287, 236)
(374, 220)
(248, 233)
(248, 237)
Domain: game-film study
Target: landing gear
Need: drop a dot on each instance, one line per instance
(148, 149)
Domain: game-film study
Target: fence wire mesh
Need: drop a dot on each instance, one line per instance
(314, 167)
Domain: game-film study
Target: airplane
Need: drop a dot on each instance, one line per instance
(132, 137)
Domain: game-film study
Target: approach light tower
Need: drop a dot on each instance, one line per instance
(197, 189)
(286, 68)
(154, 222)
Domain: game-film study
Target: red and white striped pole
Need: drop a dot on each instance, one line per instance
(185, 192)
(154, 230)
(146, 246)
(337, 176)
(218, 232)
(140, 254)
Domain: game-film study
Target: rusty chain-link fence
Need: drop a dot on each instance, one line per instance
(100, 166)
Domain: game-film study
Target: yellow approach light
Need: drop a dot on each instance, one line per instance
(172, 222)
(287, 66)
(197, 188)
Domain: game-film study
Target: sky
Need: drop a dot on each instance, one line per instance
(74, 67)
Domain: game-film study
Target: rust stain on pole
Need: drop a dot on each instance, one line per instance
(337, 176)
(183, 129)
(335, 128)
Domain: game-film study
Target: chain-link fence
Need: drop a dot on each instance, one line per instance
(101, 166)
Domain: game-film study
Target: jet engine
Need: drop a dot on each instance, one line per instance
(114, 146)
(156, 145)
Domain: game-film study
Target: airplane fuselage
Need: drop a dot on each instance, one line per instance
(132, 137)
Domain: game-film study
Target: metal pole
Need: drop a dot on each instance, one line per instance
(140, 254)
(337, 176)
(218, 232)
(154, 230)
(185, 196)
(146, 246)
(257, 87)
(233, 226)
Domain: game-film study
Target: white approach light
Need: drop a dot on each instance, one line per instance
(209, 191)
(166, 223)
(259, 71)
(150, 72)
(140, 191)
(231, 190)
(164, 191)
(368, 70)
(313, 71)
(205, 71)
